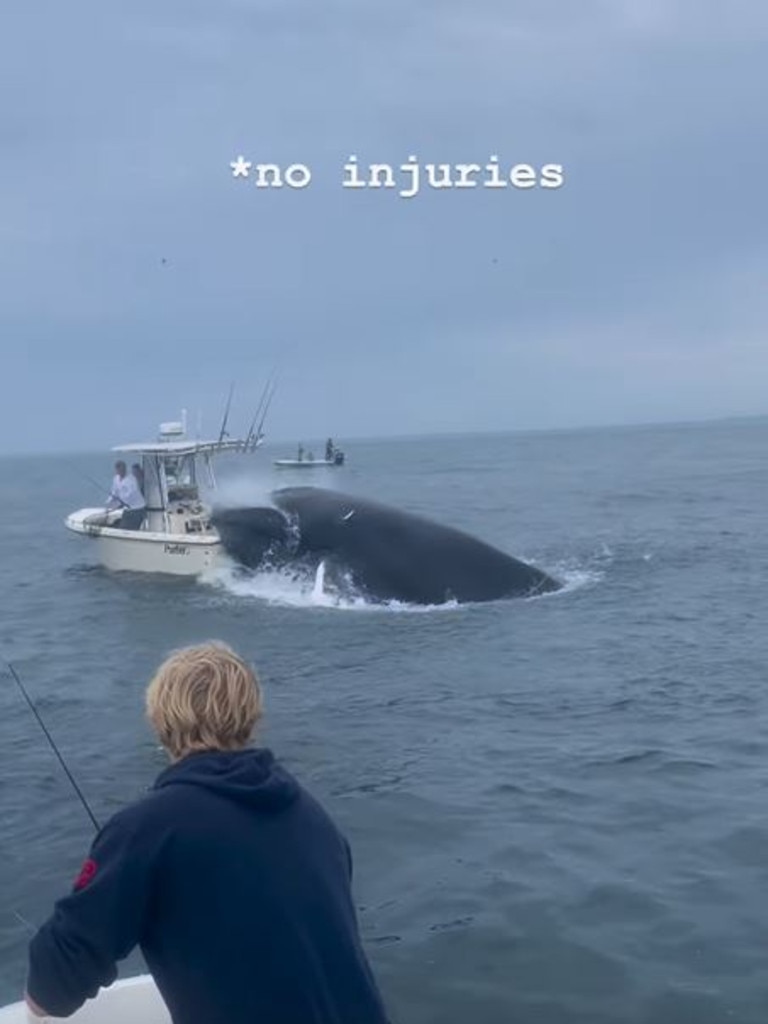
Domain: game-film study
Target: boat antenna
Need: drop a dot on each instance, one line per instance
(223, 431)
(53, 746)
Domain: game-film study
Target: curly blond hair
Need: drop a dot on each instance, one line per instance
(204, 697)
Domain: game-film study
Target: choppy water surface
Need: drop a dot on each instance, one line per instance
(558, 807)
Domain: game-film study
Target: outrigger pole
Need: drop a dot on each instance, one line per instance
(223, 431)
(255, 429)
(254, 432)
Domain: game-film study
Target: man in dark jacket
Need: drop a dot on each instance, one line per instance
(231, 879)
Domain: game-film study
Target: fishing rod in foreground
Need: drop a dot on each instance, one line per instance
(53, 746)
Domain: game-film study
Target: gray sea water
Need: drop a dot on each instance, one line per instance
(558, 807)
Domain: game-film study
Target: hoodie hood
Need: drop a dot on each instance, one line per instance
(251, 777)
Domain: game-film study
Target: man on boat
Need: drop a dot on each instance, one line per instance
(228, 875)
(127, 495)
(138, 472)
(329, 450)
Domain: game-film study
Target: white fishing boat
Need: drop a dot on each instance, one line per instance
(333, 457)
(304, 463)
(176, 536)
(129, 1001)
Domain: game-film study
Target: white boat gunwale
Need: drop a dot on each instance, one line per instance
(139, 536)
(127, 1001)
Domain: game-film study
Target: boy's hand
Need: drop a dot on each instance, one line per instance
(38, 1011)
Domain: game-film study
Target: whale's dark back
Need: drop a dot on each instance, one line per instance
(389, 554)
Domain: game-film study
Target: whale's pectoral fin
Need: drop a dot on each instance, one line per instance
(348, 516)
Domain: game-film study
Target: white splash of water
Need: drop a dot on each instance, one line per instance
(244, 492)
(288, 589)
(573, 573)
(574, 579)
(318, 591)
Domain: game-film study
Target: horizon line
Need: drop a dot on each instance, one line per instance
(437, 434)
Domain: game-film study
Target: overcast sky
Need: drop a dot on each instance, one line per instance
(138, 276)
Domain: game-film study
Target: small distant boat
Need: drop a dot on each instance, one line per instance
(307, 463)
(129, 1001)
(333, 457)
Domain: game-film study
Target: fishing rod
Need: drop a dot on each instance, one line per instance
(55, 749)
(22, 920)
(111, 493)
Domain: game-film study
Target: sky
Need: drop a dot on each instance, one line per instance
(139, 276)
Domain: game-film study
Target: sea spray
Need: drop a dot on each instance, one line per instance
(318, 591)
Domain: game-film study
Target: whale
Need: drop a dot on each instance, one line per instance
(374, 550)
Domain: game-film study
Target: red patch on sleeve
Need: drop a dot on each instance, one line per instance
(87, 871)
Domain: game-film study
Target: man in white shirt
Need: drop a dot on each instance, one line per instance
(126, 494)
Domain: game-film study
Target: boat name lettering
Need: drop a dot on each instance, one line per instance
(176, 549)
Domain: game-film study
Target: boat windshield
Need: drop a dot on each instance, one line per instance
(181, 478)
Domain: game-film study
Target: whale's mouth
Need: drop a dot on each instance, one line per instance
(253, 537)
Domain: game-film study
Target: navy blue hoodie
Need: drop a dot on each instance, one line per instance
(235, 884)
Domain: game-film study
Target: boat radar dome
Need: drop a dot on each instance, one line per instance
(175, 428)
(171, 430)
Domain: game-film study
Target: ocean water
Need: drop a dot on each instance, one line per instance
(558, 807)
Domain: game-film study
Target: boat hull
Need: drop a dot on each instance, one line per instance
(145, 551)
(129, 1001)
(303, 463)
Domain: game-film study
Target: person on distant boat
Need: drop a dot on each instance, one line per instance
(329, 450)
(301, 453)
(229, 876)
(125, 494)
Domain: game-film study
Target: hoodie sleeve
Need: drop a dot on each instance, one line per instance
(76, 951)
